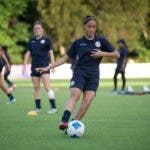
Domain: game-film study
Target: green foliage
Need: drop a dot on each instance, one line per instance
(62, 21)
(12, 30)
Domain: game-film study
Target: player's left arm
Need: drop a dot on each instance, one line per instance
(106, 50)
(52, 58)
(7, 66)
(51, 54)
(96, 53)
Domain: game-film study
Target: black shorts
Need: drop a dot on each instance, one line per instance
(34, 73)
(1, 65)
(84, 83)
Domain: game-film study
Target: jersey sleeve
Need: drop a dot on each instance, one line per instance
(106, 46)
(49, 44)
(72, 51)
(124, 53)
(28, 48)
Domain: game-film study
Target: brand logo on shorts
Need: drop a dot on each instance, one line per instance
(42, 41)
(97, 44)
(72, 83)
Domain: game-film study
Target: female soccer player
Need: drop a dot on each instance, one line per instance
(7, 91)
(4, 49)
(121, 65)
(40, 49)
(88, 51)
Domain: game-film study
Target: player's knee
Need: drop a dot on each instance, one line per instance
(51, 94)
(75, 97)
(36, 88)
(87, 101)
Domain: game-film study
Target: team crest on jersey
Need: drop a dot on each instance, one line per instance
(42, 41)
(98, 44)
(72, 83)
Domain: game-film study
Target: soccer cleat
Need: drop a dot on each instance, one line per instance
(52, 111)
(37, 110)
(114, 92)
(11, 101)
(63, 125)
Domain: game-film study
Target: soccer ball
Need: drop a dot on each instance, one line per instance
(130, 89)
(75, 129)
(145, 89)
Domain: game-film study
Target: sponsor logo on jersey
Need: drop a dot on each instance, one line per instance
(83, 44)
(32, 41)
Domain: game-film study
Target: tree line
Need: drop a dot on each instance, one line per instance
(62, 20)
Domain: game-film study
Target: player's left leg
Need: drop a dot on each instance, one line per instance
(88, 97)
(50, 93)
(115, 79)
(123, 80)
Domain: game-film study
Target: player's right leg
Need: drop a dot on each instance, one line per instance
(37, 92)
(88, 97)
(74, 97)
(6, 90)
(9, 83)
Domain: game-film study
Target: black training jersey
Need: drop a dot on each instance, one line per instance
(1, 64)
(39, 49)
(81, 50)
(123, 55)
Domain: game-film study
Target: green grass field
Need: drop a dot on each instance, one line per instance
(113, 122)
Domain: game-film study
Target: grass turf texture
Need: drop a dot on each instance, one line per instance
(113, 122)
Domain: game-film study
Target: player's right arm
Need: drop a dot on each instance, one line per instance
(26, 58)
(57, 63)
(7, 66)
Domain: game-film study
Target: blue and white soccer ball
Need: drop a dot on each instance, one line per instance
(75, 129)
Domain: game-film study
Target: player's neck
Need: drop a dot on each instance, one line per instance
(89, 37)
(38, 37)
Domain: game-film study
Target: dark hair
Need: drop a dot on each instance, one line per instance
(87, 19)
(122, 41)
(4, 47)
(37, 22)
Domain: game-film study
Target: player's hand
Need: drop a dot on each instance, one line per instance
(43, 69)
(96, 53)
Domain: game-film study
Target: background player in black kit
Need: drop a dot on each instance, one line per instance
(4, 63)
(121, 65)
(41, 51)
(88, 51)
(4, 49)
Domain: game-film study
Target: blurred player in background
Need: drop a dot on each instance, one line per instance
(121, 65)
(88, 51)
(4, 63)
(4, 49)
(41, 51)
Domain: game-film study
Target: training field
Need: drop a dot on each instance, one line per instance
(113, 122)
